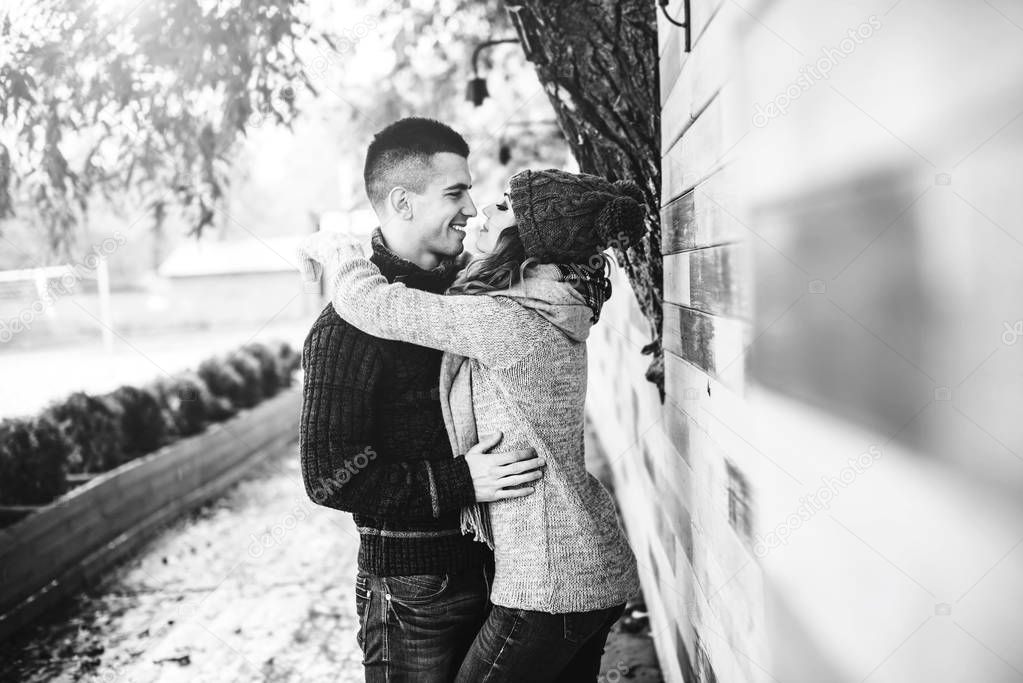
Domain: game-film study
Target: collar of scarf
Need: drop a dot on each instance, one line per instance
(398, 269)
(594, 286)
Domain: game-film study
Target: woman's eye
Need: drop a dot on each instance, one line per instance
(502, 207)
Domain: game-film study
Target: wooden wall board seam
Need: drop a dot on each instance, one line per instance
(718, 6)
(691, 184)
(709, 618)
(713, 314)
(705, 341)
(701, 217)
(693, 117)
(738, 441)
(707, 513)
(702, 247)
(700, 540)
(718, 389)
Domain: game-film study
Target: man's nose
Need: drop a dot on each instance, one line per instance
(470, 210)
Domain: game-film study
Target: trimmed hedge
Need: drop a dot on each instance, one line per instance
(86, 433)
(289, 360)
(248, 368)
(93, 425)
(224, 381)
(145, 423)
(190, 404)
(270, 367)
(38, 479)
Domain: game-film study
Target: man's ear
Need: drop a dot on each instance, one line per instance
(400, 202)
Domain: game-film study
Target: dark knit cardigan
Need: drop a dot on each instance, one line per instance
(373, 442)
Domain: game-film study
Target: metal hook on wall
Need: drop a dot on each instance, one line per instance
(686, 25)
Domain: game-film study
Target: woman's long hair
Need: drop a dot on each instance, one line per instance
(500, 269)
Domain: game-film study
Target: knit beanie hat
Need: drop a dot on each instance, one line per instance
(566, 217)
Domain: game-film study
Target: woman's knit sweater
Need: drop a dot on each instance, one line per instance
(560, 549)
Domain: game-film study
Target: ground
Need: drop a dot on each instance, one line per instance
(256, 586)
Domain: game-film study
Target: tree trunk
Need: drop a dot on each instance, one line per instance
(597, 60)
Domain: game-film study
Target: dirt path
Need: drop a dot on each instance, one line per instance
(257, 586)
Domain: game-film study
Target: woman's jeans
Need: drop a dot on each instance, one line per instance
(522, 645)
(418, 627)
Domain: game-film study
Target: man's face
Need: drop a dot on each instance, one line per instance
(440, 212)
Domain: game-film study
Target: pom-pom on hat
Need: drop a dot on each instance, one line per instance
(566, 217)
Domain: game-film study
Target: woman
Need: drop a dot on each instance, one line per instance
(513, 326)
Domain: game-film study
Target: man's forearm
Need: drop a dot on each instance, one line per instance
(414, 490)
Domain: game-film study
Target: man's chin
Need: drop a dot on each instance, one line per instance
(451, 250)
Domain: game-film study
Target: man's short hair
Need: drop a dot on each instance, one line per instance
(400, 154)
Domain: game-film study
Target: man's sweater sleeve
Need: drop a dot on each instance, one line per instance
(340, 468)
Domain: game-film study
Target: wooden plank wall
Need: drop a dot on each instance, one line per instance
(685, 471)
(842, 285)
(706, 330)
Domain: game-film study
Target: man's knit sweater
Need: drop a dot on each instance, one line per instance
(561, 548)
(373, 442)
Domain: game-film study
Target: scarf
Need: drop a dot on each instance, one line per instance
(573, 309)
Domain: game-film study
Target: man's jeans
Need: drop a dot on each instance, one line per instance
(418, 627)
(522, 645)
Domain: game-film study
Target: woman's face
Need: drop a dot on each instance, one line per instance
(498, 217)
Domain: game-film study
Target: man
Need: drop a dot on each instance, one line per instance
(372, 437)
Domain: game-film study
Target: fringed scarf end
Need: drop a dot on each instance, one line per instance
(476, 521)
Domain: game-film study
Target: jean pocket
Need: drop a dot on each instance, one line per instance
(416, 589)
(572, 626)
(363, 601)
(362, 587)
(580, 626)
